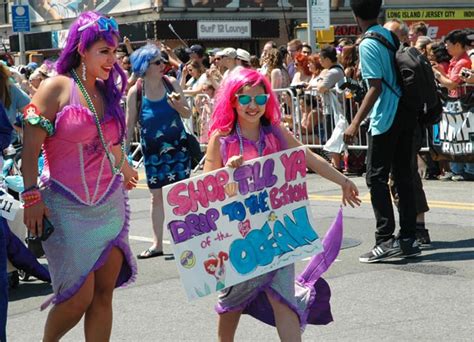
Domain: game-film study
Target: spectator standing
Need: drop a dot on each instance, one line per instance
(302, 74)
(306, 49)
(334, 75)
(163, 137)
(228, 60)
(416, 30)
(401, 29)
(421, 44)
(293, 47)
(391, 134)
(12, 97)
(421, 203)
(276, 72)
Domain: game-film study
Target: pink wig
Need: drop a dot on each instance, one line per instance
(224, 115)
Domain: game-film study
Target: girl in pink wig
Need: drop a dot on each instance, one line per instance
(246, 125)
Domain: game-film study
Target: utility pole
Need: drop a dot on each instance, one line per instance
(311, 35)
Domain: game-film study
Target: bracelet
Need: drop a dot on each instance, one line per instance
(33, 187)
(31, 197)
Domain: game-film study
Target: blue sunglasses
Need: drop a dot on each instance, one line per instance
(260, 99)
(104, 24)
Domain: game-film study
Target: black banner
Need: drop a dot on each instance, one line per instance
(453, 137)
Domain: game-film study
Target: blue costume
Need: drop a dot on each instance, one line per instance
(164, 143)
(3, 279)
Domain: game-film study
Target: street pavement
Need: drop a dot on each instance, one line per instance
(429, 298)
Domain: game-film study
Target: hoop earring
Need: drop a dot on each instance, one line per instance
(84, 69)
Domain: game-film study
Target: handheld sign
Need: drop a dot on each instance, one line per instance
(232, 225)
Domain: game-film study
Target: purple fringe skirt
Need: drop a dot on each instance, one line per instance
(83, 238)
(308, 295)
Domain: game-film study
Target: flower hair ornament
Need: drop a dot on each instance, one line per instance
(32, 116)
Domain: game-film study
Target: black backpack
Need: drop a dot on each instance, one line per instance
(416, 78)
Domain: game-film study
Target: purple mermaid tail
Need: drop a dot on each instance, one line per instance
(312, 292)
(23, 259)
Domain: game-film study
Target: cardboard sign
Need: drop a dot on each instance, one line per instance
(8, 206)
(232, 225)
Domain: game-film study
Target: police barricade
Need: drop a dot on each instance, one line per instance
(319, 121)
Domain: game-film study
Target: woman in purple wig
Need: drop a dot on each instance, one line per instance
(77, 120)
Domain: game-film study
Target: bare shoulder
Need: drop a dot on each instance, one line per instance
(56, 84)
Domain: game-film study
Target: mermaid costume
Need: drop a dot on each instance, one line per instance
(87, 202)
(308, 294)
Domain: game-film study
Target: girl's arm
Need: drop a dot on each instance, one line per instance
(213, 154)
(350, 193)
(47, 100)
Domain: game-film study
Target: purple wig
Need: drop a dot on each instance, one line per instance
(224, 115)
(80, 42)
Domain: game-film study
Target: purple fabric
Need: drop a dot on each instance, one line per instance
(47, 182)
(312, 309)
(22, 258)
(128, 270)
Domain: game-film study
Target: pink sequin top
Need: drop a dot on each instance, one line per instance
(269, 137)
(75, 162)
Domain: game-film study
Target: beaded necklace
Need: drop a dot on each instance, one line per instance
(241, 141)
(90, 104)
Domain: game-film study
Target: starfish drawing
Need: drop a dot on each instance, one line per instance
(152, 180)
(171, 177)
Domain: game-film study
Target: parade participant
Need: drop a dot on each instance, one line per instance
(158, 104)
(246, 125)
(77, 120)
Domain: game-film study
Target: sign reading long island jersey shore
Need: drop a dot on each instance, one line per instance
(231, 225)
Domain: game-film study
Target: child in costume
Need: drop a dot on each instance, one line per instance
(79, 123)
(246, 125)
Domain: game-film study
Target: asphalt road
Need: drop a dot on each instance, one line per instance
(430, 298)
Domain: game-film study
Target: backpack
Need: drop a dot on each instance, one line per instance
(416, 78)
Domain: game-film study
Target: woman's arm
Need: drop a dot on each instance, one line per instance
(50, 96)
(180, 105)
(131, 115)
(130, 175)
(350, 193)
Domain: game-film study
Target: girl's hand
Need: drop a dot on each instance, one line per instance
(350, 194)
(33, 218)
(235, 161)
(130, 177)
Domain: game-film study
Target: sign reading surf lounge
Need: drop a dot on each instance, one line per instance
(231, 225)
(223, 29)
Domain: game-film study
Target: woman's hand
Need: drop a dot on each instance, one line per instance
(235, 161)
(130, 177)
(350, 194)
(180, 105)
(33, 218)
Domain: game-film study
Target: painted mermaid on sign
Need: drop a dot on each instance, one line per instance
(215, 266)
(76, 117)
(246, 125)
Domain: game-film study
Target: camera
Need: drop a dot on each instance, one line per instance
(465, 73)
(357, 88)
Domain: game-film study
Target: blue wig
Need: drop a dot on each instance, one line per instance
(142, 57)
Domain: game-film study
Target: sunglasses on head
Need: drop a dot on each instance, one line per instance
(260, 99)
(104, 24)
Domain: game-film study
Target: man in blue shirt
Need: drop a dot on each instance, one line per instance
(391, 134)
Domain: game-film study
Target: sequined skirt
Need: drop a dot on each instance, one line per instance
(82, 240)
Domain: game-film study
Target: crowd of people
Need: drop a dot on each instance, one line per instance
(100, 90)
